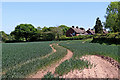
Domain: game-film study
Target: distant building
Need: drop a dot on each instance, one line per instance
(81, 31)
(90, 31)
(75, 31)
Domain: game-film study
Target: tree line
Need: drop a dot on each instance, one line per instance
(27, 32)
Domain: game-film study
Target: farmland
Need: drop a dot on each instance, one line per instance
(71, 64)
(17, 53)
(17, 58)
(81, 48)
(33, 66)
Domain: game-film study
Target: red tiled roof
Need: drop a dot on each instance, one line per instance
(78, 30)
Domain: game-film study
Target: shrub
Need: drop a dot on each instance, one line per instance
(110, 38)
(80, 37)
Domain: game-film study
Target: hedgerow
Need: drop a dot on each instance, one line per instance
(110, 38)
(80, 37)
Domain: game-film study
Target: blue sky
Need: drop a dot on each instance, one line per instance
(82, 14)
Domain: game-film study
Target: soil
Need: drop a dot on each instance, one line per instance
(102, 68)
(41, 73)
(52, 48)
(110, 60)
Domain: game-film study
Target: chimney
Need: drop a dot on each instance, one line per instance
(72, 26)
(77, 27)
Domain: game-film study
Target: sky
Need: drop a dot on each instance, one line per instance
(49, 14)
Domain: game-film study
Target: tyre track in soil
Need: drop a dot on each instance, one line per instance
(51, 68)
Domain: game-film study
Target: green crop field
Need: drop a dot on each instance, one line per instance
(20, 60)
(81, 48)
(72, 64)
(18, 53)
(31, 67)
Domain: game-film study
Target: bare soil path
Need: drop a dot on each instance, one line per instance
(101, 69)
(41, 73)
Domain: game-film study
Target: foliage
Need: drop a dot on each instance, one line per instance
(80, 37)
(24, 31)
(57, 31)
(112, 17)
(27, 32)
(3, 36)
(28, 68)
(43, 36)
(110, 38)
(48, 36)
(39, 28)
(81, 48)
(64, 28)
(98, 26)
(45, 29)
(71, 64)
(17, 53)
(51, 76)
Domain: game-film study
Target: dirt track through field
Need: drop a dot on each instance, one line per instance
(41, 73)
(101, 68)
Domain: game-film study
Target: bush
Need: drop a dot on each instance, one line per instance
(80, 37)
(46, 36)
(110, 38)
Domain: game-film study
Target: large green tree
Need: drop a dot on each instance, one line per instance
(45, 29)
(24, 31)
(98, 26)
(57, 31)
(113, 17)
(64, 28)
(3, 36)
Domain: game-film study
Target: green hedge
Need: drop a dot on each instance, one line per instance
(80, 37)
(110, 38)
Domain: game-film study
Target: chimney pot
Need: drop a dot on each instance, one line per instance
(72, 26)
(77, 27)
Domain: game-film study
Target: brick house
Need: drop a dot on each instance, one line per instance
(90, 31)
(75, 31)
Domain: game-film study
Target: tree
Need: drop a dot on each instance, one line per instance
(119, 15)
(24, 31)
(39, 28)
(3, 36)
(48, 36)
(64, 28)
(113, 17)
(45, 29)
(98, 27)
(57, 31)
